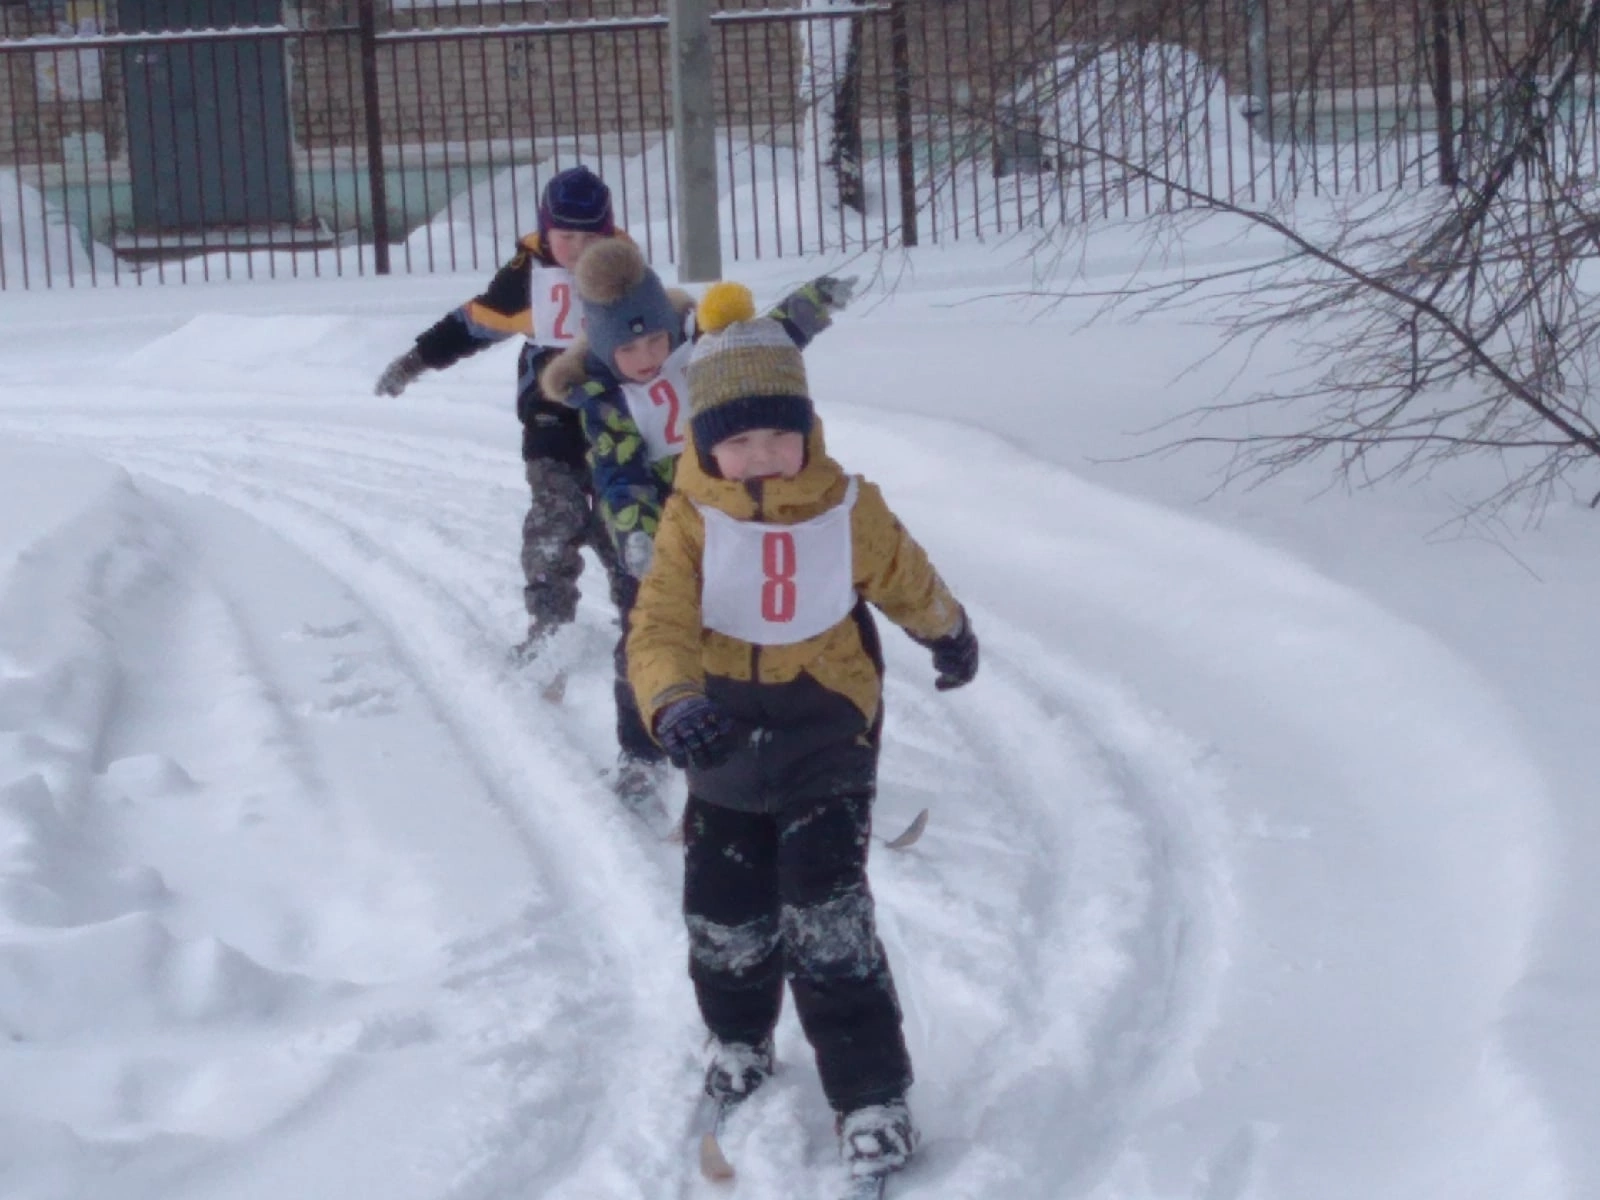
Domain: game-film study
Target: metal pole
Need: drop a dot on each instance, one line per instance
(368, 24)
(1443, 94)
(694, 133)
(1258, 113)
(900, 50)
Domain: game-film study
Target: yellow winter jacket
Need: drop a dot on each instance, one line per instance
(670, 653)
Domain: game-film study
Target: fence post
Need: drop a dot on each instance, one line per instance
(1443, 94)
(694, 135)
(1260, 102)
(900, 51)
(377, 189)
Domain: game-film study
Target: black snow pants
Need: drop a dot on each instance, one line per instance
(773, 895)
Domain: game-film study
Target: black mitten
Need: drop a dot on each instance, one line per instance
(955, 656)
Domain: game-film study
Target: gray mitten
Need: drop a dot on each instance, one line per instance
(835, 291)
(638, 552)
(399, 373)
(809, 309)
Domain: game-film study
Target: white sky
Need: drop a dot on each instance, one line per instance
(1262, 851)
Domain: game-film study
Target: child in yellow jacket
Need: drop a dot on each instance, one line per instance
(756, 665)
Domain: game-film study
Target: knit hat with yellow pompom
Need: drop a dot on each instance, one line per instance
(746, 372)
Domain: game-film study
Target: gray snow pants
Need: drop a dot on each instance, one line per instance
(560, 522)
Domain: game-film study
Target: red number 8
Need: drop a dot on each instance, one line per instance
(778, 564)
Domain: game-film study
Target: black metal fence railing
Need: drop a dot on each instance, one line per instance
(155, 141)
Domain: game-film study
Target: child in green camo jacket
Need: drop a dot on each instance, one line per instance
(624, 378)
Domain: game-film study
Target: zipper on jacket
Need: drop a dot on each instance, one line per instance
(757, 490)
(760, 735)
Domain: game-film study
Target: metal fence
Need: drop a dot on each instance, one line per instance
(154, 141)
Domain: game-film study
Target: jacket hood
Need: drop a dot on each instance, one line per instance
(576, 365)
(820, 485)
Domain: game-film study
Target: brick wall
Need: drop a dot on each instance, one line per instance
(43, 97)
(531, 84)
(965, 52)
(527, 85)
(1366, 43)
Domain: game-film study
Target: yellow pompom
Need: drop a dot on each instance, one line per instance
(724, 303)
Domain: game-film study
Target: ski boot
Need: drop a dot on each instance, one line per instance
(877, 1139)
(640, 783)
(525, 651)
(735, 1069)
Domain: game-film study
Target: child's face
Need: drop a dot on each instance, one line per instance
(760, 454)
(640, 359)
(567, 244)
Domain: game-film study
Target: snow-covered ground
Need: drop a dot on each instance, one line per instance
(1262, 850)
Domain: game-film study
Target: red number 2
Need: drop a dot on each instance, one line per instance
(777, 564)
(561, 294)
(662, 392)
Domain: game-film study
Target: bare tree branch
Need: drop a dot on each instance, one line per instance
(1439, 322)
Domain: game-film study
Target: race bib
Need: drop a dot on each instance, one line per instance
(775, 585)
(660, 408)
(557, 313)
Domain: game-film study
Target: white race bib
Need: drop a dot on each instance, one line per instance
(660, 408)
(557, 313)
(774, 585)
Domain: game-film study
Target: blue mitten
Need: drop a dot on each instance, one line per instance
(695, 733)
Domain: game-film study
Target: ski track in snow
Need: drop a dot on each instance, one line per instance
(1036, 807)
(319, 497)
(559, 1039)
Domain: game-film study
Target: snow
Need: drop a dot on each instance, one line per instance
(1261, 850)
(38, 246)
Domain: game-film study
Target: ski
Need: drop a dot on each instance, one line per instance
(709, 1119)
(714, 1165)
(638, 788)
(652, 811)
(909, 836)
(552, 690)
(555, 691)
(865, 1187)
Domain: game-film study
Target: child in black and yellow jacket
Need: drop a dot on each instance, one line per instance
(756, 663)
(533, 295)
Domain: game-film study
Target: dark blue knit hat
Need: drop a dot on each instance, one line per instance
(576, 199)
(622, 299)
